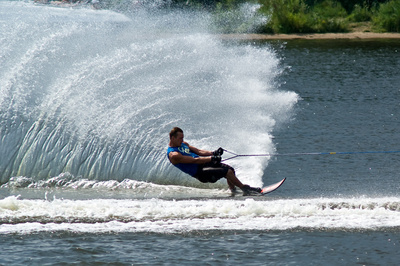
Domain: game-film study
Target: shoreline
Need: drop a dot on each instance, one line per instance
(312, 36)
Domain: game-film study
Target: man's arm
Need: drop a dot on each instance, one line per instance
(198, 151)
(176, 157)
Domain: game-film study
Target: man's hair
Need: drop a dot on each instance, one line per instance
(174, 132)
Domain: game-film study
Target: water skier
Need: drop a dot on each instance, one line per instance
(204, 165)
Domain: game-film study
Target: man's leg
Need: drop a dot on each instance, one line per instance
(233, 180)
(231, 186)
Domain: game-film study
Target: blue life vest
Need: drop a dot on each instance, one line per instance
(188, 168)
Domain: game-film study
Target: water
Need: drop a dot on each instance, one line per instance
(85, 112)
(349, 104)
(216, 248)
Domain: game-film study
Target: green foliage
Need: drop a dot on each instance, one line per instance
(388, 16)
(361, 13)
(349, 5)
(329, 16)
(304, 16)
(295, 16)
(286, 16)
(330, 9)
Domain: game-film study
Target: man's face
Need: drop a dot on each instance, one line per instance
(177, 141)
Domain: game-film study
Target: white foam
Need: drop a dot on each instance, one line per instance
(169, 216)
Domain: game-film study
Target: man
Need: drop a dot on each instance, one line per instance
(204, 165)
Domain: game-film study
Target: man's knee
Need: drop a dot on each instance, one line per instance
(231, 172)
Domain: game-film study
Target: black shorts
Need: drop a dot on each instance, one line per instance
(211, 173)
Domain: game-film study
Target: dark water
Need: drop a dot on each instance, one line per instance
(123, 204)
(351, 103)
(206, 248)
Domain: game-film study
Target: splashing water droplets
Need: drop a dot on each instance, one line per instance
(96, 92)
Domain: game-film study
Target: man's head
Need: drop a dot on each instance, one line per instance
(175, 137)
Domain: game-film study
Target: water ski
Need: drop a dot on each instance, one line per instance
(270, 188)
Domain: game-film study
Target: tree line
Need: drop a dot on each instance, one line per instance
(305, 16)
(277, 16)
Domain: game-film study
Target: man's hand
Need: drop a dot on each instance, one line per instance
(215, 159)
(218, 152)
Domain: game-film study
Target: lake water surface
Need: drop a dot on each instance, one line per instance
(84, 128)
